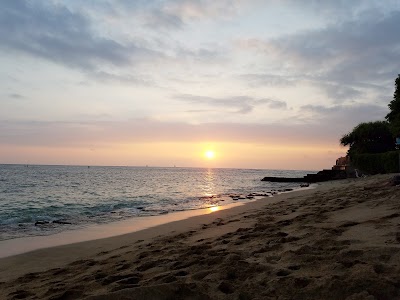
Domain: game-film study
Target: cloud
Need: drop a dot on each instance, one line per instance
(348, 54)
(77, 37)
(101, 133)
(341, 117)
(176, 14)
(159, 18)
(55, 33)
(76, 134)
(169, 15)
(16, 96)
(347, 60)
(123, 78)
(275, 104)
(314, 125)
(268, 79)
(333, 8)
(188, 9)
(340, 92)
(235, 104)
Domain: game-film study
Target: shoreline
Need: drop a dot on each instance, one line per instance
(11, 247)
(99, 231)
(338, 241)
(117, 232)
(68, 199)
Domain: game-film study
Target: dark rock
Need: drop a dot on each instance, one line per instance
(41, 223)
(261, 194)
(324, 175)
(283, 179)
(61, 222)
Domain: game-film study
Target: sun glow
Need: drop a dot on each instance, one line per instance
(209, 154)
(213, 208)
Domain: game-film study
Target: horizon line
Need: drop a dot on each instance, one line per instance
(145, 166)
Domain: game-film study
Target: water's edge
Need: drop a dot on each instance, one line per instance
(17, 246)
(46, 200)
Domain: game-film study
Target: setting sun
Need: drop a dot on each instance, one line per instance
(209, 154)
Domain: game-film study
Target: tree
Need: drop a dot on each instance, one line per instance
(372, 137)
(393, 117)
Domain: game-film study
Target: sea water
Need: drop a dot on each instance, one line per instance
(43, 200)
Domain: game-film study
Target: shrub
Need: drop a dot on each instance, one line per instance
(387, 162)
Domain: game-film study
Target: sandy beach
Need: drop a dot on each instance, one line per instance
(338, 241)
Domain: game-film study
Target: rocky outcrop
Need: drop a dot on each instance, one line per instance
(324, 175)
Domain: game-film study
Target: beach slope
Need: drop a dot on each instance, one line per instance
(339, 241)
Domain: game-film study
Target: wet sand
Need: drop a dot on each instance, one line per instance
(339, 241)
(99, 231)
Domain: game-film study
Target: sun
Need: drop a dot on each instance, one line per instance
(209, 154)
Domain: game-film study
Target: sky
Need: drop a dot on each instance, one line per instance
(264, 84)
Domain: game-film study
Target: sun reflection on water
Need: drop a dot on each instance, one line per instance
(214, 208)
(209, 187)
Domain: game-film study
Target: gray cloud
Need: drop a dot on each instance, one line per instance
(55, 33)
(236, 104)
(104, 133)
(339, 92)
(341, 118)
(72, 38)
(268, 79)
(346, 55)
(168, 15)
(334, 9)
(275, 104)
(123, 78)
(16, 96)
(174, 14)
(313, 127)
(158, 18)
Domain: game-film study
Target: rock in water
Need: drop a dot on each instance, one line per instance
(41, 223)
(61, 222)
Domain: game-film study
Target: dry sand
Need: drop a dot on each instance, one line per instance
(339, 241)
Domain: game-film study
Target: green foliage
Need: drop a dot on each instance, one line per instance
(393, 117)
(387, 162)
(371, 144)
(372, 137)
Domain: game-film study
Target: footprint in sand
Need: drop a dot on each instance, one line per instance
(283, 273)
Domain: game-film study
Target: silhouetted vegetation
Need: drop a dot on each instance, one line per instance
(371, 144)
(393, 117)
(387, 162)
(372, 137)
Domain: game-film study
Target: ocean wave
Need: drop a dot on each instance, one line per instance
(83, 196)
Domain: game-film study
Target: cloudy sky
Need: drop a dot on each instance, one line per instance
(263, 83)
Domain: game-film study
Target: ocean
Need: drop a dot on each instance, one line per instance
(40, 200)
